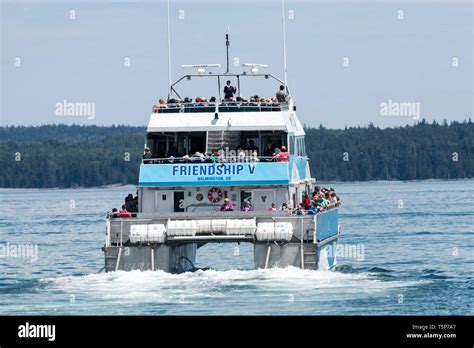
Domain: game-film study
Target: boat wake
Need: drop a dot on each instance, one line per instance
(233, 292)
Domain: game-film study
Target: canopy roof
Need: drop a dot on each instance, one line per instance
(229, 121)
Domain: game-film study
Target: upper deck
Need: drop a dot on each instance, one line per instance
(226, 140)
(226, 117)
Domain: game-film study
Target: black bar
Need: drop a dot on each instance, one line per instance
(289, 331)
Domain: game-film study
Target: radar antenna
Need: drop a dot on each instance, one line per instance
(201, 67)
(254, 67)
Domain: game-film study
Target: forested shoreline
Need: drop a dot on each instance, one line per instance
(89, 156)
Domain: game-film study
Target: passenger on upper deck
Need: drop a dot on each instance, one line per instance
(147, 154)
(197, 157)
(173, 151)
(251, 146)
(269, 150)
(282, 156)
(200, 101)
(281, 95)
(161, 105)
(229, 91)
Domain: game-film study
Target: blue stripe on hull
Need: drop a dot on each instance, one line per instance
(326, 224)
(215, 183)
(326, 256)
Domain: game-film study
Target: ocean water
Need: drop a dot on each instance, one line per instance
(407, 248)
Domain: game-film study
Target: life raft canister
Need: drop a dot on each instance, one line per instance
(215, 194)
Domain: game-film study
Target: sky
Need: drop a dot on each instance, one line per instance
(348, 61)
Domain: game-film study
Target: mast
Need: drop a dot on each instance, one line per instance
(169, 49)
(227, 44)
(284, 42)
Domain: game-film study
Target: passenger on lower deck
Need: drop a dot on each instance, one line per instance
(300, 210)
(273, 207)
(128, 201)
(247, 207)
(285, 207)
(307, 202)
(227, 205)
(114, 213)
(124, 213)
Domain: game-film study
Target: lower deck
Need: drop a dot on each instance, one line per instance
(169, 242)
(210, 199)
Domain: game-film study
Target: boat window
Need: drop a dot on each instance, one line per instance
(292, 148)
(277, 139)
(300, 147)
(176, 144)
(250, 141)
(245, 197)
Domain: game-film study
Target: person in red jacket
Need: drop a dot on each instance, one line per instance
(282, 156)
(124, 213)
(307, 202)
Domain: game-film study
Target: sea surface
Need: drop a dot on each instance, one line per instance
(407, 248)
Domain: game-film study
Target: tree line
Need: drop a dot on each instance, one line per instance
(85, 156)
(423, 151)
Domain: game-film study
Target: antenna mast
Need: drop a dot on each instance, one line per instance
(284, 42)
(227, 43)
(169, 49)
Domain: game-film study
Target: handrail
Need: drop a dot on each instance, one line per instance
(208, 160)
(226, 75)
(225, 106)
(222, 214)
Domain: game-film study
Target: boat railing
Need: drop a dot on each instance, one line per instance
(118, 230)
(210, 160)
(219, 107)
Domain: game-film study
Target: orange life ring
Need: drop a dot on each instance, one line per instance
(215, 194)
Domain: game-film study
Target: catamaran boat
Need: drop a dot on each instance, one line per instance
(200, 185)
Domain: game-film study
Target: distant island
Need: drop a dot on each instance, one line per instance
(90, 156)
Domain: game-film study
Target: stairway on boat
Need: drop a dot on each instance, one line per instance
(216, 140)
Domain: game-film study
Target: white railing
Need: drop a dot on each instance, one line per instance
(116, 236)
(216, 159)
(219, 107)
